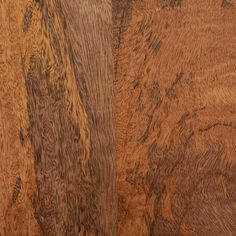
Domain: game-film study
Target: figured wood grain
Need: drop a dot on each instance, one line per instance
(117, 117)
(57, 148)
(175, 116)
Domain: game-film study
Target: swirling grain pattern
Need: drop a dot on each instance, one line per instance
(57, 157)
(117, 117)
(175, 117)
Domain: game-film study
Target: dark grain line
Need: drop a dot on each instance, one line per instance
(211, 126)
(227, 3)
(178, 78)
(121, 15)
(16, 190)
(169, 3)
(21, 136)
(27, 19)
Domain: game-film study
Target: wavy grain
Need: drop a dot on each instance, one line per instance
(57, 110)
(175, 119)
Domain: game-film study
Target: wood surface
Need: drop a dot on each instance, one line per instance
(57, 172)
(175, 116)
(117, 117)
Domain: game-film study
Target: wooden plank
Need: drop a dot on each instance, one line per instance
(175, 116)
(57, 156)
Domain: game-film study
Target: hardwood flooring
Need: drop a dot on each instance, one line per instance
(118, 117)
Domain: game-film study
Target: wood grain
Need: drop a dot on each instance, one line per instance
(117, 117)
(175, 117)
(57, 155)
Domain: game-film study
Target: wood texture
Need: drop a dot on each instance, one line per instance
(57, 158)
(117, 117)
(175, 117)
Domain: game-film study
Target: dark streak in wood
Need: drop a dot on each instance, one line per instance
(169, 3)
(21, 136)
(16, 190)
(96, 96)
(122, 16)
(169, 91)
(227, 3)
(27, 19)
(73, 195)
(211, 126)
